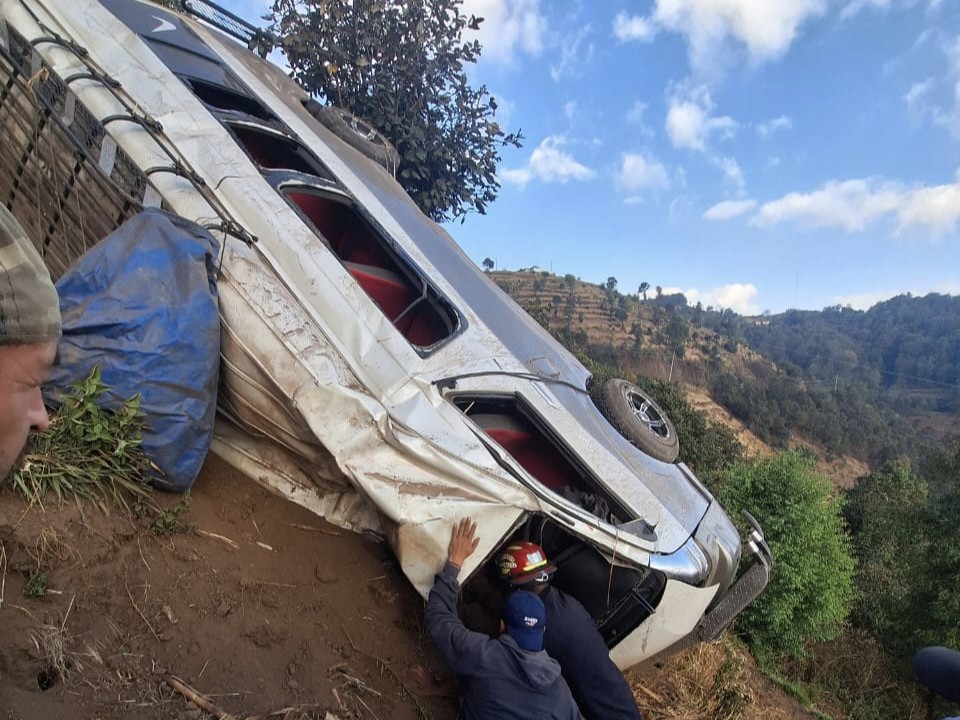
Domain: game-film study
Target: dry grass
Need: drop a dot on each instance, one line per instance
(708, 682)
(851, 677)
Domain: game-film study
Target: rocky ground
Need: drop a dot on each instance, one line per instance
(260, 608)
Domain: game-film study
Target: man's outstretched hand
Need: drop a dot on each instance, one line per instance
(463, 541)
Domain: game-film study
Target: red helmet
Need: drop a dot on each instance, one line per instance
(523, 562)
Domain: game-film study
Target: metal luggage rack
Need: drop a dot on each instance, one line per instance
(61, 173)
(256, 39)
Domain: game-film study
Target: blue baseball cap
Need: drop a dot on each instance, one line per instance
(525, 618)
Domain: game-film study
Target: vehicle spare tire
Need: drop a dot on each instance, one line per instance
(359, 134)
(639, 419)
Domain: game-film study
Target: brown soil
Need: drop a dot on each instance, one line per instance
(702, 402)
(261, 607)
(298, 614)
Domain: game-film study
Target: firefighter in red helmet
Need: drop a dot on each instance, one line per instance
(571, 637)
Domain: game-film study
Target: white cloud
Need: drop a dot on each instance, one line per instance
(916, 97)
(739, 297)
(633, 27)
(855, 6)
(920, 101)
(638, 173)
(635, 116)
(854, 204)
(731, 170)
(949, 117)
(729, 209)
(851, 205)
(766, 129)
(936, 208)
(689, 123)
(549, 163)
(575, 52)
(509, 27)
(765, 28)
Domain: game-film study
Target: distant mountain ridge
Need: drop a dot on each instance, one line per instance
(864, 383)
(903, 344)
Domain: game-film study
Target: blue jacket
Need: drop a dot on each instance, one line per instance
(571, 638)
(498, 680)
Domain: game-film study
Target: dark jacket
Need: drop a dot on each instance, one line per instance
(572, 639)
(498, 680)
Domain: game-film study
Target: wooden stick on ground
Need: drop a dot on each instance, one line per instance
(649, 693)
(311, 528)
(227, 541)
(197, 699)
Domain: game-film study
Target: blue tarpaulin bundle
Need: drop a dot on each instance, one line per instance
(143, 305)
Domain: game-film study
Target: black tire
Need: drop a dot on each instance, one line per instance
(639, 419)
(358, 134)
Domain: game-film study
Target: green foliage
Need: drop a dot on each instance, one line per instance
(677, 333)
(907, 542)
(170, 521)
(863, 369)
(400, 67)
(88, 453)
(776, 404)
(810, 593)
(36, 584)
(884, 511)
(707, 447)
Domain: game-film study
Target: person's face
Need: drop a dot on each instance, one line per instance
(23, 369)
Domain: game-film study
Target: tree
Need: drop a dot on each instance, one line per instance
(811, 588)
(642, 290)
(885, 512)
(487, 264)
(611, 284)
(659, 291)
(677, 333)
(400, 66)
(907, 541)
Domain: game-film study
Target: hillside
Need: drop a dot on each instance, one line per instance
(904, 350)
(814, 378)
(661, 338)
(641, 337)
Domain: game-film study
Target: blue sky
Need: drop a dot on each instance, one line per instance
(754, 154)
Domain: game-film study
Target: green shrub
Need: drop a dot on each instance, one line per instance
(884, 511)
(907, 543)
(811, 586)
(88, 453)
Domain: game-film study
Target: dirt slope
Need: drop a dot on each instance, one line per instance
(290, 617)
(298, 617)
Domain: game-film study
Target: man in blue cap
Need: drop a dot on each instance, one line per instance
(572, 638)
(509, 678)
